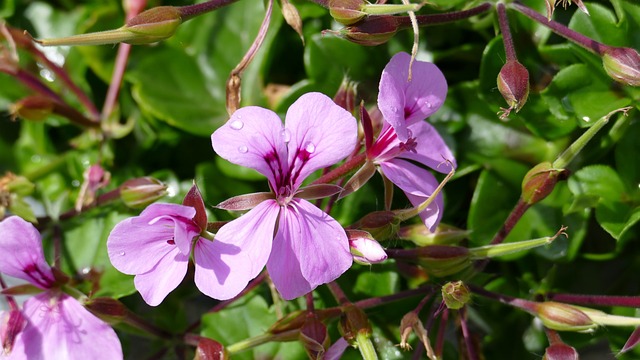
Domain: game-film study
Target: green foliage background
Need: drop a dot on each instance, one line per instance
(173, 97)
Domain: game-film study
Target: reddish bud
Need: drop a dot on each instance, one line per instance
(34, 108)
(540, 181)
(372, 31)
(107, 309)
(380, 224)
(513, 83)
(622, 64)
(346, 95)
(560, 351)
(209, 349)
(140, 192)
(443, 260)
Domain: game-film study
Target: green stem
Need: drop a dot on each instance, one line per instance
(365, 346)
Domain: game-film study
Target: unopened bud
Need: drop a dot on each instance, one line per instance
(622, 64)
(314, 337)
(140, 192)
(107, 309)
(346, 12)
(455, 295)
(148, 27)
(422, 236)
(380, 224)
(364, 248)
(11, 324)
(563, 317)
(371, 31)
(443, 260)
(346, 95)
(34, 108)
(540, 182)
(513, 83)
(560, 351)
(354, 322)
(209, 349)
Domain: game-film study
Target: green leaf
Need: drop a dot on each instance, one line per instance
(171, 86)
(248, 317)
(377, 284)
(600, 25)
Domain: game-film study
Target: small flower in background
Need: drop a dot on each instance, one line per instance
(308, 247)
(56, 325)
(156, 245)
(406, 139)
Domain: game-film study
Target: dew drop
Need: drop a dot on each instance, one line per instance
(243, 149)
(586, 118)
(429, 105)
(237, 125)
(310, 148)
(394, 109)
(122, 253)
(286, 135)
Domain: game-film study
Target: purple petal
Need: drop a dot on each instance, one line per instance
(222, 270)
(253, 233)
(309, 249)
(336, 350)
(60, 328)
(403, 103)
(430, 149)
(418, 184)
(254, 137)
(23, 257)
(321, 134)
(168, 272)
(137, 244)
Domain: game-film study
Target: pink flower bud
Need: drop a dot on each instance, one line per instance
(346, 95)
(209, 349)
(560, 351)
(365, 249)
(513, 83)
(110, 310)
(622, 64)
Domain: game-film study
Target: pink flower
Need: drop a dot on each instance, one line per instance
(302, 246)
(56, 325)
(405, 140)
(156, 245)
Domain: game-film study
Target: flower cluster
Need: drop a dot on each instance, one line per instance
(52, 324)
(301, 246)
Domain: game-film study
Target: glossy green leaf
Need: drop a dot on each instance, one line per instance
(376, 284)
(171, 86)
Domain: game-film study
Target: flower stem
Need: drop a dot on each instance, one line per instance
(342, 170)
(365, 346)
(582, 40)
(337, 292)
(437, 19)
(599, 300)
(466, 335)
(507, 39)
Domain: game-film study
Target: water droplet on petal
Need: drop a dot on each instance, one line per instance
(243, 149)
(429, 105)
(286, 135)
(394, 109)
(122, 253)
(310, 148)
(236, 124)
